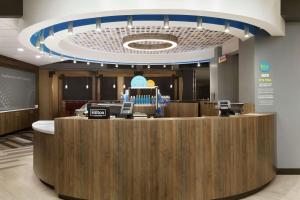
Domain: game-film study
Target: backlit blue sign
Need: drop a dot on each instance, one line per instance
(264, 67)
(138, 81)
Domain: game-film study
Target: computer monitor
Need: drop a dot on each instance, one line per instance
(224, 104)
(225, 108)
(115, 109)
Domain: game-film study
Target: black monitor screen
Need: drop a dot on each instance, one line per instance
(127, 104)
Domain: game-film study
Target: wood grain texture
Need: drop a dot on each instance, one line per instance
(17, 64)
(182, 110)
(145, 109)
(248, 108)
(163, 159)
(16, 120)
(208, 108)
(44, 160)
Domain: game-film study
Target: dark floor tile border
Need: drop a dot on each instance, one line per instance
(18, 142)
(288, 171)
(8, 145)
(25, 137)
(16, 132)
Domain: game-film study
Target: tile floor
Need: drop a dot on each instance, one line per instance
(20, 183)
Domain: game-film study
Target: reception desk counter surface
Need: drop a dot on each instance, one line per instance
(45, 126)
(165, 158)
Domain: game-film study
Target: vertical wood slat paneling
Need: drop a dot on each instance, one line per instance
(164, 159)
(12, 121)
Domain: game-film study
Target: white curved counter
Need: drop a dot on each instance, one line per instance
(44, 126)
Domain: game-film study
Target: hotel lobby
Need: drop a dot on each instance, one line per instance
(154, 100)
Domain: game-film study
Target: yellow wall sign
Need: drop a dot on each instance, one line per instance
(150, 83)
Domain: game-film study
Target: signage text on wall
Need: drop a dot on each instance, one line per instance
(265, 93)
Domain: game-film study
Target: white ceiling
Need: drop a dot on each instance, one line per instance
(9, 43)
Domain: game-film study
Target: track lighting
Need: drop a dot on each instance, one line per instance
(98, 25)
(198, 64)
(50, 54)
(20, 49)
(227, 27)
(132, 66)
(129, 22)
(70, 28)
(116, 65)
(166, 22)
(38, 44)
(74, 61)
(62, 58)
(247, 33)
(148, 66)
(42, 38)
(165, 66)
(88, 63)
(102, 64)
(41, 49)
(200, 23)
(51, 32)
(37, 56)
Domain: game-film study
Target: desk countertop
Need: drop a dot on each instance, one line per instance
(46, 126)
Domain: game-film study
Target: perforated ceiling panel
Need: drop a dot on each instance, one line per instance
(109, 40)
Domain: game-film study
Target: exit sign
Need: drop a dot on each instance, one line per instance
(223, 59)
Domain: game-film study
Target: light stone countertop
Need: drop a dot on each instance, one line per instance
(44, 126)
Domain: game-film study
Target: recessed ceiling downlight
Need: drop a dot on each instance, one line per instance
(150, 42)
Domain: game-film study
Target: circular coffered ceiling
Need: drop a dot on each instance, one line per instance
(186, 39)
(110, 40)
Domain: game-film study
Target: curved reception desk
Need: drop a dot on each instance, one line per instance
(197, 158)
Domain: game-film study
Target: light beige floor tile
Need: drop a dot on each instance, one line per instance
(20, 183)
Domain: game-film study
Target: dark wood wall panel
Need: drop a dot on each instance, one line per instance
(11, 8)
(290, 10)
(16, 64)
(77, 88)
(107, 92)
(188, 82)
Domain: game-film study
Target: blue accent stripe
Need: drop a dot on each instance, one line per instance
(120, 18)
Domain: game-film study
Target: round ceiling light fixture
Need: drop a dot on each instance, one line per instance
(150, 42)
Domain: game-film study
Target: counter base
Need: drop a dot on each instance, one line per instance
(161, 159)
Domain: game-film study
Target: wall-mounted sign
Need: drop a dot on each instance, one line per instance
(264, 67)
(265, 92)
(98, 112)
(138, 81)
(223, 59)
